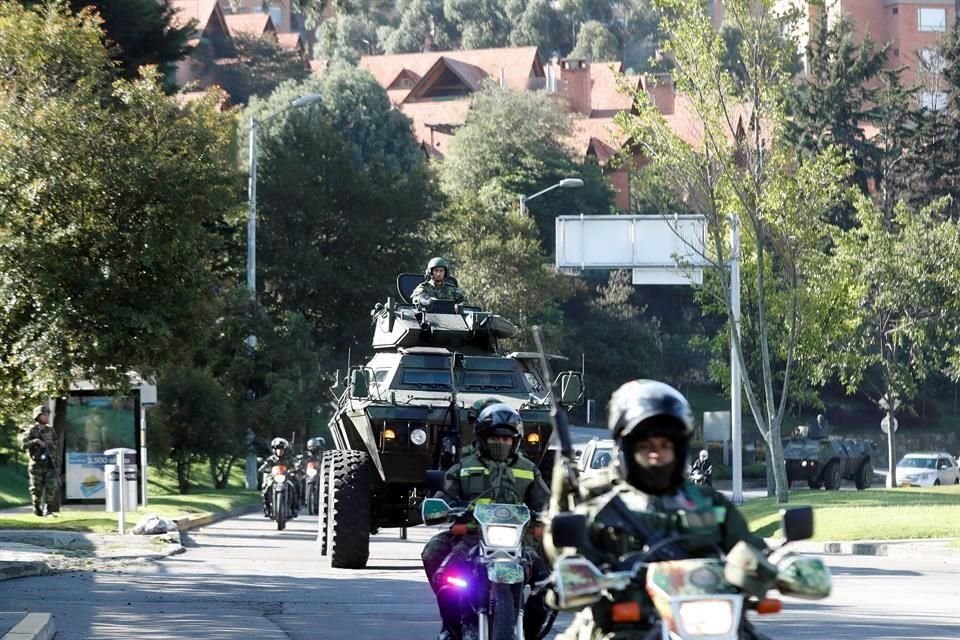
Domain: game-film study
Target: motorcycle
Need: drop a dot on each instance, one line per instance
(493, 588)
(699, 478)
(283, 496)
(311, 486)
(693, 599)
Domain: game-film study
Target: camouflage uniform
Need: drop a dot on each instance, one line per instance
(703, 513)
(443, 291)
(40, 442)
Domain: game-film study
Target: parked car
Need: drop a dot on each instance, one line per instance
(597, 455)
(927, 470)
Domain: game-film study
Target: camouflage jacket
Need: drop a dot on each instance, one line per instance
(510, 482)
(623, 519)
(445, 291)
(37, 440)
(287, 461)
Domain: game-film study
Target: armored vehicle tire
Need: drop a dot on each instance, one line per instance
(831, 476)
(864, 477)
(814, 484)
(348, 509)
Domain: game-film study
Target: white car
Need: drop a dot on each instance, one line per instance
(597, 455)
(927, 470)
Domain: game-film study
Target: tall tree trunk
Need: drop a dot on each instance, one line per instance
(183, 475)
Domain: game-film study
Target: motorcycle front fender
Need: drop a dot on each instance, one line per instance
(505, 573)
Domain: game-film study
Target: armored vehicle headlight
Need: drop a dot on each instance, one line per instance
(389, 434)
(424, 301)
(533, 438)
(418, 436)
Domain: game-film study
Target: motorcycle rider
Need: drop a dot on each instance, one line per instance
(313, 453)
(281, 456)
(495, 471)
(436, 284)
(704, 468)
(648, 502)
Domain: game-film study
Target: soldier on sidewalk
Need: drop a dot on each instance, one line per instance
(40, 443)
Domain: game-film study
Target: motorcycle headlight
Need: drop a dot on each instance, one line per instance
(706, 618)
(311, 472)
(499, 536)
(418, 436)
(280, 478)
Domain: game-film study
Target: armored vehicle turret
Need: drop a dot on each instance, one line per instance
(409, 408)
(813, 455)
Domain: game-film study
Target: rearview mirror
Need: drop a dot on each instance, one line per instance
(797, 523)
(571, 388)
(359, 387)
(434, 510)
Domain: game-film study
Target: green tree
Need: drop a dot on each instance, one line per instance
(896, 283)
(742, 169)
(595, 42)
(347, 37)
(110, 195)
(483, 23)
(261, 65)
(330, 247)
(419, 21)
(835, 99)
(138, 33)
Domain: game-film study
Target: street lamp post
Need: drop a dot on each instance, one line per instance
(566, 183)
(302, 101)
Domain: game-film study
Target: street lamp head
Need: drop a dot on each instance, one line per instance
(570, 183)
(308, 99)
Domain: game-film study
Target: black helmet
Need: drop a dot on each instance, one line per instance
(437, 262)
(315, 445)
(498, 419)
(279, 443)
(640, 409)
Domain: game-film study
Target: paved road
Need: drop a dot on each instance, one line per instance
(242, 579)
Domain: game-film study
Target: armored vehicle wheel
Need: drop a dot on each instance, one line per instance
(814, 484)
(832, 477)
(864, 477)
(348, 510)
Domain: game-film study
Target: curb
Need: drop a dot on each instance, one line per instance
(22, 569)
(34, 626)
(201, 520)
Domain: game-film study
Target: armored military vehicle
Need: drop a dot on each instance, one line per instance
(823, 460)
(408, 410)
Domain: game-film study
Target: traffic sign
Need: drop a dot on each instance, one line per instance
(885, 424)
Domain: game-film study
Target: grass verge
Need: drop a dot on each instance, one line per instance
(162, 497)
(875, 514)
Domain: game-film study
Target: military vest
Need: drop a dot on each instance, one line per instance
(494, 481)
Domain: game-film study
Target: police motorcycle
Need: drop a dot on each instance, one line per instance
(283, 500)
(309, 474)
(495, 585)
(695, 598)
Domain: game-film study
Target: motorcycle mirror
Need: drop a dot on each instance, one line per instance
(578, 582)
(434, 510)
(797, 523)
(569, 530)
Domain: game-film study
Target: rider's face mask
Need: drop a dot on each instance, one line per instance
(499, 447)
(654, 459)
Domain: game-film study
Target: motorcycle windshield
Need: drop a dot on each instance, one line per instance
(697, 577)
(510, 514)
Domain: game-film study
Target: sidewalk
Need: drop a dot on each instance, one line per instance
(34, 552)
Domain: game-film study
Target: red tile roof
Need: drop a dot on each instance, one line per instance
(187, 10)
(291, 41)
(251, 24)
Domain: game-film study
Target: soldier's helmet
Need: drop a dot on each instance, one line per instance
(40, 409)
(437, 262)
(316, 445)
(498, 419)
(641, 409)
(279, 443)
(703, 454)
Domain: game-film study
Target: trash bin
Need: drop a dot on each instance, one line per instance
(111, 478)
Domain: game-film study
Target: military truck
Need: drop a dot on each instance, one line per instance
(823, 460)
(408, 409)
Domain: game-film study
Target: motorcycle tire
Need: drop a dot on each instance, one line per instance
(503, 620)
(313, 498)
(280, 509)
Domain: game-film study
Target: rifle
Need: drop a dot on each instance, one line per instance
(558, 419)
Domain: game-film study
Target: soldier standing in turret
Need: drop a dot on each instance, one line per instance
(436, 284)
(40, 442)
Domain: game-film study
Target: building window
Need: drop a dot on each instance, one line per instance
(931, 61)
(896, 54)
(933, 100)
(895, 10)
(932, 19)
